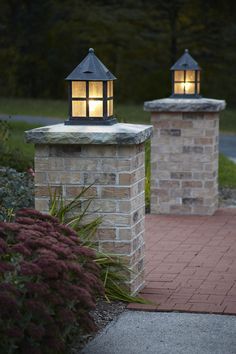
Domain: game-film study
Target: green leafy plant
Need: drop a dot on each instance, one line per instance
(16, 192)
(113, 270)
(48, 284)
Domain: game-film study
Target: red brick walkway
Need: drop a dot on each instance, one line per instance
(191, 263)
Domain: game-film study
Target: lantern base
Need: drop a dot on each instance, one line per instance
(89, 121)
(185, 96)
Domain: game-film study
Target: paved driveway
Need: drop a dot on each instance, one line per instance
(191, 263)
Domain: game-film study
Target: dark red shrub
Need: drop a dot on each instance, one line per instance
(48, 284)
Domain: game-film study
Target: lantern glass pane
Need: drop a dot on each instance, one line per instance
(190, 75)
(95, 108)
(109, 88)
(179, 88)
(189, 88)
(78, 108)
(78, 89)
(179, 75)
(110, 108)
(95, 89)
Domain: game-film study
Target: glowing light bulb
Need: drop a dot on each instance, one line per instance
(188, 87)
(93, 105)
(95, 108)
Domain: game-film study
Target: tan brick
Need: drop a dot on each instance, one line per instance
(210, 132)
(125, 234)
(126, 150)
(79, 164)
(136, 285)
(99, 178)
(191, 184)
(73, 191)
(65, 150)
(130, 178)
(99, 151)
(113, 165)
(115, 247)
(117, 220)
(124, 206)
(138, 215)
(209, 184)
(193, 115)
(140, 148)
(137, 254)
(169, 184)
(127, 206)
(156, 116)
(204, 210)
(137, 161)
(180, 209)
(203, 141)
(161, 124)
(63, 177)
(103, 206)
(106, 234)
(56, 163)
(42, 204)
(211, 115)
(195, 132)
(40, 164)
(41, 150)
(138, 241)
(181, 124)
(138, 227)
(46, 191)
(40, 178)
(125, 178)
(138, 267)
(117, 193)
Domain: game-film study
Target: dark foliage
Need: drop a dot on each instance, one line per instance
(48, 284)
(16, 192)
(41, 42)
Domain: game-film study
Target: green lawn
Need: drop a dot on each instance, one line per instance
(33, 107)
(227, 172)
(129, 113)
(125, 113)
(132, 113)
(228, 121)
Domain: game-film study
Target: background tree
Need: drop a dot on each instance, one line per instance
(41, 41)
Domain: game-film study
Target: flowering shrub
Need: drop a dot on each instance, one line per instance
(48, 284)
(16, 191)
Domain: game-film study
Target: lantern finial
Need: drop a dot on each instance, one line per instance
(186, 50)
(91, 50)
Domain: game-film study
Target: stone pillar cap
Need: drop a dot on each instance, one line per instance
(120, 133)
(185, 105)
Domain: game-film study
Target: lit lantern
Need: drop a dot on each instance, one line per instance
(91, 93)
(186, 77)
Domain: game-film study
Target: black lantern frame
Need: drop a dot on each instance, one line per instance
(186, 77)
(91, 93)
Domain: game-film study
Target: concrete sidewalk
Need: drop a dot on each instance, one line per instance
(166, 333)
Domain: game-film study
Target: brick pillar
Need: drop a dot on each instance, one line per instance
(112, 159)
(184, 155)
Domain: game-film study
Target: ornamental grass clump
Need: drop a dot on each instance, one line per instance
(48, 284)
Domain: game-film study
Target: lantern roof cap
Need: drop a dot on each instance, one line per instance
(92, 69)
(186, 62)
